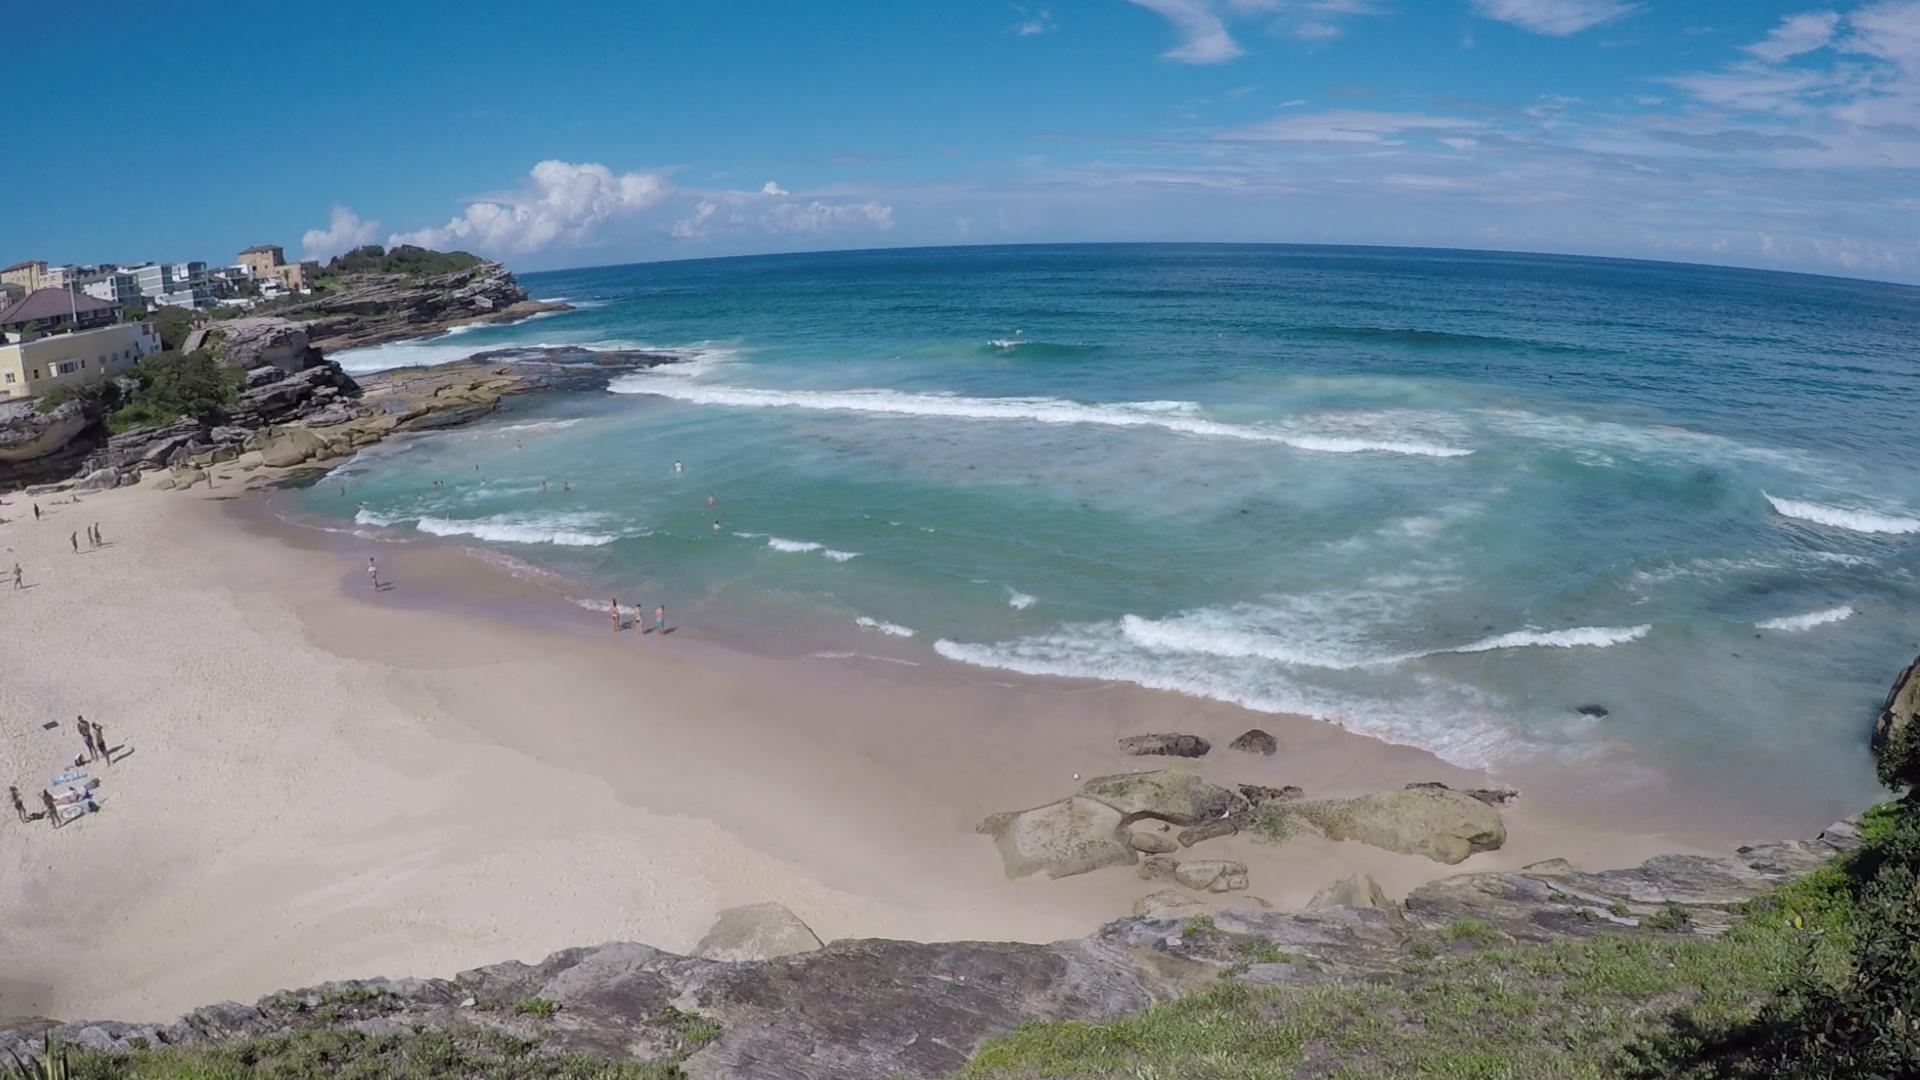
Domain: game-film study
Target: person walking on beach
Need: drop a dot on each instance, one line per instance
(613, 608)
(86, 736)
(98, 539)
(660, 620)
(53, 812)
(373, 576)
(16, 577)
(74, 539)
(18, 806)
(36, 511)
(100, 740)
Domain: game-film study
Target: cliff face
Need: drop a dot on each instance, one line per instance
(380, 309)
(884, 1010)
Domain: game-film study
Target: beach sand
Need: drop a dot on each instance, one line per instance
(315, 783)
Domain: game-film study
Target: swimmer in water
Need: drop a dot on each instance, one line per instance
(676, 467)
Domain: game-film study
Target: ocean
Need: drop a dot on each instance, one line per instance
(1456, 500)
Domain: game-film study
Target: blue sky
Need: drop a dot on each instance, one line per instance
(579, 132)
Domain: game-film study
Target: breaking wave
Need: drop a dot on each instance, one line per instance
(517, 529)
(1808, 621)
(891, 629)
(1860, 521)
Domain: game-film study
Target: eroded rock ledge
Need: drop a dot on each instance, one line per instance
(877, 1010)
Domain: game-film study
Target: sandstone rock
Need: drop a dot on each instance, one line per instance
(1173, 795)
(1072, 836)
(1214, 875)
(1898, 711)
(1258, 796)
(186, 478)
(1490, 796)
(1255, 742)
(1218, 827)
(756, 932)
(1165, 745)
(1356, 891)
(1159, 868)
(263, 341)
(292, 446)
(1151, 843)
(1171, 904)
(1445, 826)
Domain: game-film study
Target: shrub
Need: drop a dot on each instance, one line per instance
(173, 386)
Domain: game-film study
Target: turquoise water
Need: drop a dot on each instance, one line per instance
(1444, 498)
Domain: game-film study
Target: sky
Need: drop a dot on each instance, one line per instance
(1769, 133)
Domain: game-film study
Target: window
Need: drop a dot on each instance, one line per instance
(9, 378)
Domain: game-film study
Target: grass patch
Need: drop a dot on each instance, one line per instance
(336, 1054)
(1275, 823)
(539, 1007)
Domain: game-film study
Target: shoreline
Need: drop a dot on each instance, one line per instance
(321, 786)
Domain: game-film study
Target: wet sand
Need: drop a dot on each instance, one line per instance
(319, 783)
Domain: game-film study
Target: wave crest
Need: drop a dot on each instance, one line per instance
(1839, 517)
(1794, 623)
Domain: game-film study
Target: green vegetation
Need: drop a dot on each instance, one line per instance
(1274, 823)
(342, 1054)
(173, 324)
(173, 386)
(539, 1007)
(406, 259)
(1818, 981)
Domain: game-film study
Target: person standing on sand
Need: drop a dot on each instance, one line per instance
(100, 740)
(98, 539)
(373, 576)
(74, 539)
(613, 608)
(16, 577)
(86, 736)
(53, 812)
(18, 806)
(660, 620)
(36, 511)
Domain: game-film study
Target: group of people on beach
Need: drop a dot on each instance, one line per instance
(74, 787)
(639, 618)
(94, 539)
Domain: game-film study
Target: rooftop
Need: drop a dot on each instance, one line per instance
(22, 266)
(51, 304)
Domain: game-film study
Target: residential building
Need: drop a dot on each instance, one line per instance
(61, 277)
(112, 284)
(261, 260)
(27, 275)
(48, 310)
(11, 294)
(32, 367)
(296, 277)
(175, 284)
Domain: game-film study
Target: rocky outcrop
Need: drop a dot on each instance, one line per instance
(866, 1010)
(756, 932)
(1072, 836)
(1167, 744)
(264, 341)
(1445, 826)
(394, 307)
(1171, 795)
(1898, 711)
(36, 447)
(1255, 742)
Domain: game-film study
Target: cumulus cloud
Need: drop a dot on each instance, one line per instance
(1555, 18)
(562, 205)
(344, 232)
(1206, 40)
(772, 188)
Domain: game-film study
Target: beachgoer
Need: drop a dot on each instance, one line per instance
(100, 740)
(98, 540)
(74, 539)
(709, 500)
(19, 807)
(53, 812)
(660, 619)
(16, 577)
(676, 467)
(36, 511)
(373, 575)
(86, 736)
(566, 487)
(543, 487)
(613, 608)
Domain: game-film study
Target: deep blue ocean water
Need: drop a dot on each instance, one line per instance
(1440, 497)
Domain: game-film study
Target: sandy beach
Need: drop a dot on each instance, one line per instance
(311, 782)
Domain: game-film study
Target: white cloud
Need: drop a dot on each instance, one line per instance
(1033, 24)
(563, 204)
(772, 188)
(1556, 18)
(1206, 38)
(1346, 126)
(1887, 31)
(344, 232)
(819, 217)
(1797, 34)
(735, 212)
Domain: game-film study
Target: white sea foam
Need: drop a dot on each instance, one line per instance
(840, 556)
(1179, 416)
(517, 529)
(893, 629)
(1018, 600)
(865, 656)
(793, 547)
(540, 425)
(1860, 521)
(1808, 621)
(1714, 568)
(368, 517)
(1597, 637)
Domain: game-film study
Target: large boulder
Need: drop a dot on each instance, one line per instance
(1445, 826)
(1168, 744)
(1173, 795)
(756, 932)
(1072, 836)
(1255, 742)
(252, 343)
(1903, 702)
(1356, 891)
